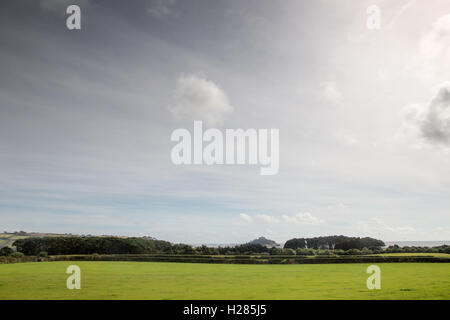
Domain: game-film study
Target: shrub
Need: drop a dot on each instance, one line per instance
(289, 252)
(43, 254)
(302, 252)
(275, 251)
(366, 251)
(16, 255)
(377, 250)
(353, 252)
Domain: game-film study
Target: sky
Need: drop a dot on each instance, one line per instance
(363, 114)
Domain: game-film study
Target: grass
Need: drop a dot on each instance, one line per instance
(152, 280)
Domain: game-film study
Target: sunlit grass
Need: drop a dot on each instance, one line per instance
(151, 280)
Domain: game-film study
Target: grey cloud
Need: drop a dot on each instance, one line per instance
(59, 6)
(162, 8)
(432, 120)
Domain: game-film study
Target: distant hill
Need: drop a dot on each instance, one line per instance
(265, 242)
(7, 239)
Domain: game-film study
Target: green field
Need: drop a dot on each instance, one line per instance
(152, 280)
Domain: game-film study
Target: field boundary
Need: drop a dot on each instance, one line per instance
(244, 259)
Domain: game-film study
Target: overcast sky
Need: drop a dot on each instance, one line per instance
(364, 118)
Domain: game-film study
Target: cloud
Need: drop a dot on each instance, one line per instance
(302, 218)
(197, 98)
(245, 217)
(347, 138)
(436, 44)
(431, 122)
(267, 219)
(433, 56)
(442, 231)
(331, 92)
(378, 225)
(339, 205)
(399, 13)
(299, 218)
(161, 8)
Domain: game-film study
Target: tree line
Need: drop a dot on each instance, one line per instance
(90, 245)
(115, 245)
(331, 245)
(334, 243)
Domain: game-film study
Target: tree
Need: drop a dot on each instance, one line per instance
(203, 250)
(295, 244)
(334, 242)
(6, 251)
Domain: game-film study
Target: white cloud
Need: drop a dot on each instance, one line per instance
(299, 218)
(302, 218)
(197, 98)
(378, 225)
(433, 56)
(436, 44)
(399, 13)
(339, 205)
(331, 92)
(347, 138)
(442, 232)
(266, 218)
(430, 123)
(245, 217)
